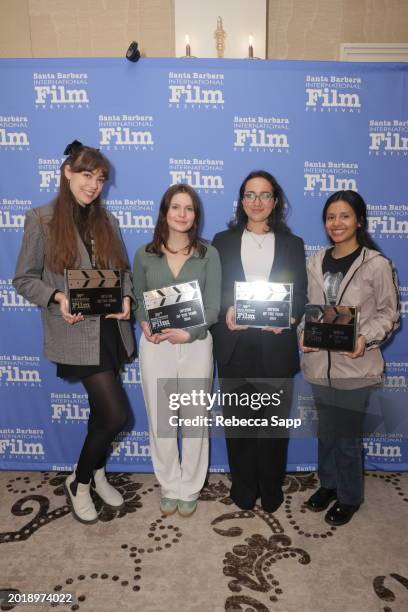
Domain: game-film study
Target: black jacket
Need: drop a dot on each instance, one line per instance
(280, 352)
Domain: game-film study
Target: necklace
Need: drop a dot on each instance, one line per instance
(258, 243)
(174, 251)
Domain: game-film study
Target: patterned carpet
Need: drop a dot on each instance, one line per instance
(219, 559)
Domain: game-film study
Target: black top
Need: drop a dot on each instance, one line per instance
(334, 270)
(82, 227)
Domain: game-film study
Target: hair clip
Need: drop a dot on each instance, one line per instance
(72, 147)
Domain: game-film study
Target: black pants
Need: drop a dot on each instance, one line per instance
(257, 456)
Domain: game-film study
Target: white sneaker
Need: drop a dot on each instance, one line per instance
(81, 503)
(108, 494)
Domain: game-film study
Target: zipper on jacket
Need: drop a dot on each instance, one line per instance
(328, 352)
(338, 302)
(329, 367)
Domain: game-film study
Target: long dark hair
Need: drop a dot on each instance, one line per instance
(359, 207)
(276, 220)
(161, 231)
(62, 249)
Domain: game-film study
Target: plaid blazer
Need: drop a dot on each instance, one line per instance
(63, 343)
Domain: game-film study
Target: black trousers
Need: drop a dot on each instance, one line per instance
(257, 455)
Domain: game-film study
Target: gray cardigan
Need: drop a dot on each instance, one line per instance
(152, 272)
(63, 343)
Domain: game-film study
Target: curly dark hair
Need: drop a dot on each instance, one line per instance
(276, 220)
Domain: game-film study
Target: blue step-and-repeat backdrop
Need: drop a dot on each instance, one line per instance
(317, 126)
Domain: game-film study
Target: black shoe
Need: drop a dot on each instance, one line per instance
(321, 499)
(243, 505)
(242, 500)
(272, 504)
(340, 514)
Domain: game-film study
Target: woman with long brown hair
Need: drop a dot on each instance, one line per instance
(76, 231)
(172, 358)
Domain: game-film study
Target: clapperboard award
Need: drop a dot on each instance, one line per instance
(263, 304)
(179, 306)
(94, 292)
(329, 327)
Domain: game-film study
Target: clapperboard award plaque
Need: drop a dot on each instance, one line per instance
(263, 304)
(179, 306)
(94, 292)
(329, 327)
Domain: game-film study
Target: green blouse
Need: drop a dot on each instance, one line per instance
(152, 272)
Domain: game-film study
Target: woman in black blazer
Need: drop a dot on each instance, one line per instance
(258, 246)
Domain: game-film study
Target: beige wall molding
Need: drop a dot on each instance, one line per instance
(374, 52)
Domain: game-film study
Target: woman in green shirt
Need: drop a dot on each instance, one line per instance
(169, 360)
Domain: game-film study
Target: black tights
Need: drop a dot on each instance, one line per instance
(109, 413)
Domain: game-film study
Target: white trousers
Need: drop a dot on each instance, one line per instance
(167, 368)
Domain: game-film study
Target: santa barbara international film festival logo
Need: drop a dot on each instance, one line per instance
(131, 374)
(388, 137)
(325, 177)
(388, 221)
(49, 174)
(70, 408)
(14, 134)
(11, 301)
(396, 376)
(311, 249)
(18, 444)
(73, 408)
(60, 90)
(332, 94)
(133, 215)
(130, 446)
(204, 175)
(12, 213)
(126, 132)
(261, 134)
(196, 90)
(20, 371)
(306, 408)
(403, 293)
(386, 449)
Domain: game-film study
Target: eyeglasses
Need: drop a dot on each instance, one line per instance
(264, 196)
